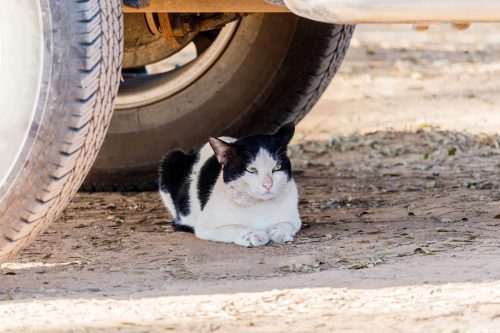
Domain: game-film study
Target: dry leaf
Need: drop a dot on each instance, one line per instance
(423, 250)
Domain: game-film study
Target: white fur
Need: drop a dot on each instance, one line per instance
(244, 211)
(168, 202)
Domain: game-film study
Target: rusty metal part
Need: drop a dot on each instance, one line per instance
(144, 42)
(180, 25)
(135, 26)
(206, 6)
(177, 32)
(217, 21)
(152, 25)
(167, 29)
(184, 24)
(151, 37)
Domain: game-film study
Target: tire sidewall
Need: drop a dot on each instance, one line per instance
(207, 107)
(273, 71)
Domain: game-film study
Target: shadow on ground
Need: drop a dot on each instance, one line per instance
(379, 210)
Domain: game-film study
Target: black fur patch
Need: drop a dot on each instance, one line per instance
(247, 149)
(182, 227)
(175, 170)
(207, 179)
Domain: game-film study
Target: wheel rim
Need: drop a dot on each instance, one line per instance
(22, 73)
(148, 89)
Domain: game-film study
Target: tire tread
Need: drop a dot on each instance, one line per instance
(96, 44)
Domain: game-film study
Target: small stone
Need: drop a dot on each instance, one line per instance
(430, 184)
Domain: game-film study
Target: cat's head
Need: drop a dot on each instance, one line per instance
(255, 167)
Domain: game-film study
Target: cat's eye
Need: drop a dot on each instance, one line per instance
(251, 170)
(277, 167)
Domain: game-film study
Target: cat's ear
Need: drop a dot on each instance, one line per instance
(285, 132)
(223, 150)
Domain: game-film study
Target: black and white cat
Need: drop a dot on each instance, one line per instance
(234, 190)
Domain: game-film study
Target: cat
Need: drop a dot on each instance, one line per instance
(234, 190)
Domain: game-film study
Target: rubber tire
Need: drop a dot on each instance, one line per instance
(85, 54)
(273, 71)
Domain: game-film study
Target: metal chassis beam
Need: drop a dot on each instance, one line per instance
(201, 6)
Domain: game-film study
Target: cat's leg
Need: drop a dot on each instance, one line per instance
(235, 233)
(283, 232)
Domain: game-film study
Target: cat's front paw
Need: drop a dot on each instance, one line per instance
(253, 238)
(279, 234)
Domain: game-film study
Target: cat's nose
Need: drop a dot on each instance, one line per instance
(267, 185)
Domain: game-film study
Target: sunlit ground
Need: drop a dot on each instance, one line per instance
(460, 307)
(396, 78)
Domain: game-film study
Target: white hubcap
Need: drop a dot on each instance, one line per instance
(21, 65)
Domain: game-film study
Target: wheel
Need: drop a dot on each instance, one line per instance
(258, 73)
(59, 74)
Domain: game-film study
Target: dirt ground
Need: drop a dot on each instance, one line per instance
(399, 174)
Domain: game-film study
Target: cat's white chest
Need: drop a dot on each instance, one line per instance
(258, 215)
(264, 214)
